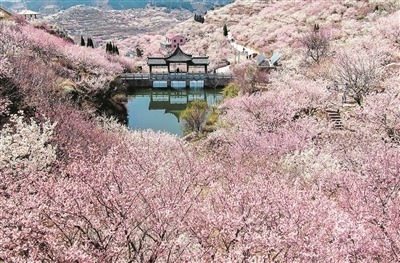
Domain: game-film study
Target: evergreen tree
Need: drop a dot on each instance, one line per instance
(199, 18)
(116, 50)
(82, 41)
(89, 42)
(139, 52)
(225, 30)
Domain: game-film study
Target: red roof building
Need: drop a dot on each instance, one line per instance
(172, 41)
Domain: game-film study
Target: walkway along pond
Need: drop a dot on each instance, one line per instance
(160, 109)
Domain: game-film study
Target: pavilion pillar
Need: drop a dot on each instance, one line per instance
(205, 68)
(151, 69)
(187, 68)
(169, 68)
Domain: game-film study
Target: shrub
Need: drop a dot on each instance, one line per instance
(195, 116)
(230, 91)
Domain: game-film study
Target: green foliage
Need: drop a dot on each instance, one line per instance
(199, 18)
(230, 91)
(112, 49)
(138, 69)
(195, 116)
(89, 42)
(83, 42)
(139, 52)
(225, 30)
(212, 118)
(108, 48)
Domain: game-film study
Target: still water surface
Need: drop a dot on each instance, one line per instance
(159, 109)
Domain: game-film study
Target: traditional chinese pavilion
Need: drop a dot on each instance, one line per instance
(179, 62)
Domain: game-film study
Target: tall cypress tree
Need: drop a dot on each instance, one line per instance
(225, 30)
(82, 41)
(91, 43)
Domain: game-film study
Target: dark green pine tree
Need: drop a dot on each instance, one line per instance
(108, 47)
(225, 30)
(199, 18)
(139, 52)
(82, 41)
(116, 50)
(91, 43)
(113, 49)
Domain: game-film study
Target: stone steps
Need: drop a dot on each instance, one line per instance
(334, 116)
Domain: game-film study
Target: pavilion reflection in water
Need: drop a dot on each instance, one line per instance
(175, 101)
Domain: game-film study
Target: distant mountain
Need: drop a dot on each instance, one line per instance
(41, 5)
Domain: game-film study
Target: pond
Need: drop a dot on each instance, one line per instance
(160, 109)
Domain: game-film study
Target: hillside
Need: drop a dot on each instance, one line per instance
(304, 168)
(278, 26)
(49, 6)
(120, 24)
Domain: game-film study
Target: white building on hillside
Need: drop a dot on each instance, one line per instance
(29, 14)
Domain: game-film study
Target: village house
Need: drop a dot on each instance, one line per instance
(272, 62)
(172, 41)
(98, 42)
(130, 54)
(29, 14)
(4, 13)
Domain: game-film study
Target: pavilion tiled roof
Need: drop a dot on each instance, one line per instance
(178, 56)
(156, 61)
(200, 60)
